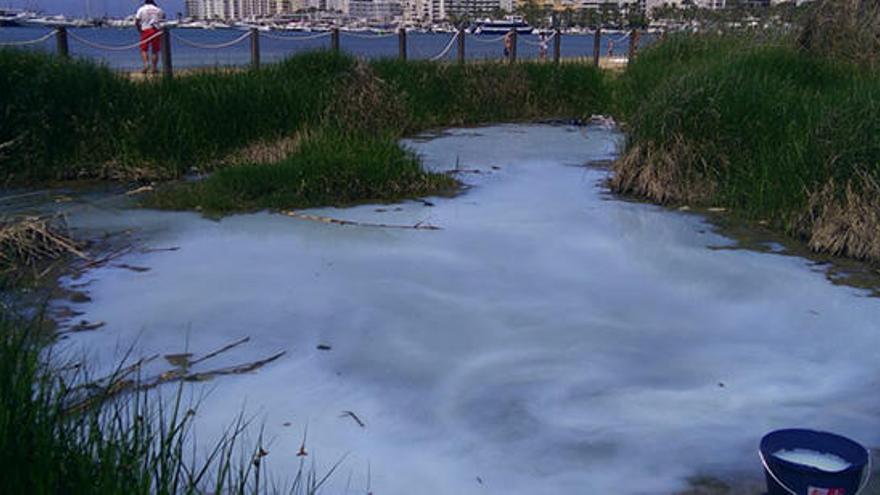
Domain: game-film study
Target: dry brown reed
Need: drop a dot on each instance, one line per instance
(266, 151)
(844, 220)
(28, 241)
(366, 103)
(671, 173)
(846, 29)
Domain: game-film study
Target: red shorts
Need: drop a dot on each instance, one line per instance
(155, 43)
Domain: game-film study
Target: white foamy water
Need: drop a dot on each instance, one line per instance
(550, 339)
(819, 460)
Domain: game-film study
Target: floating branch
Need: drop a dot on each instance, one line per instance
(318, 218)
(353, 416)
(120, 381)
(220, 351)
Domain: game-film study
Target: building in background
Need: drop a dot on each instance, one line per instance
(375, 10)
(476, 8)
(240, 9)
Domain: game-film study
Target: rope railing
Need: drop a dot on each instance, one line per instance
(218, 46)
(493, 40)
(295, 38)
(541, 42)
(548, 39)
(625, 36)
(117, 48)
(30, 42)
(448, 47)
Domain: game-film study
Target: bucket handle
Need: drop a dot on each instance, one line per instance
(865, 477)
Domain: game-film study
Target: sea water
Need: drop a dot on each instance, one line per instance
(278, 45)
(819, 460)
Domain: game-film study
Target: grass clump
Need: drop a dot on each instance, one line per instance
(328, 168)
(846, 29)
(63, 432)
(134, 445)
(73, 119)
(67, 119)
(64, 119)
(764, 129)
(436, 95)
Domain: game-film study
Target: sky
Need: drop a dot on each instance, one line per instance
(98, 8)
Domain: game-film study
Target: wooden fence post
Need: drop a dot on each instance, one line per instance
(401, 43)
(61, 42)
(255, 49)
(633, 45)
(461, 36)
(334, 40)
(557, 46)
(167, 69)
(597, 45)
(512, 54)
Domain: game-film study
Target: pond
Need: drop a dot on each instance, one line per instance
(546, 338)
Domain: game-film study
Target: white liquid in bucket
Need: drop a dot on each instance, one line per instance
(819, 460)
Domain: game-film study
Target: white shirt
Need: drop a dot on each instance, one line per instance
(150, 16)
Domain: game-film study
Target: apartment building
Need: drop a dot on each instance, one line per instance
(375, 10)
(239, 9)
(476, 8)
(705, 4)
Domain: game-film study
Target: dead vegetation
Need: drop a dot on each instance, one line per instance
(844, 220)
(336, 221)
(848, 29)
(130, 378)
(665, 174)
(27, 242)
(366, 103)
(266, 151)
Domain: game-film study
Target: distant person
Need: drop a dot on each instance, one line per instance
(148, 21)
(610, 48)
(508, 44)
(542, 46)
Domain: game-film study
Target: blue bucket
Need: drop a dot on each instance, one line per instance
(790, 478)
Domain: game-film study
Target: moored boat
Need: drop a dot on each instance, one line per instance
(490, 26)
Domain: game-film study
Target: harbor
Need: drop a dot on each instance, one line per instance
(196, 48)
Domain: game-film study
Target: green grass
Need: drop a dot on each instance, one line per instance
(436, 95)
(767, 126)
(58, 437)
(63, 119)
(48, 446)
(73, 119)
(328, 169)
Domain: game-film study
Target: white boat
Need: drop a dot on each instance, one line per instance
(495, 27)
(15, 17)
(120, 23)
(60, 20)
(193, 25)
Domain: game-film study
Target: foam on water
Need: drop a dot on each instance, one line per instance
(550, 339)
(819, 460)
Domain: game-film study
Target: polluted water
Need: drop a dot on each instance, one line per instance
(820, 460)
(546, 337)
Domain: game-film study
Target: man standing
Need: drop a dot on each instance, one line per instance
(508, 44)
(148, 21)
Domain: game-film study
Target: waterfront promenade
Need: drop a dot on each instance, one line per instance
(202, 48)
